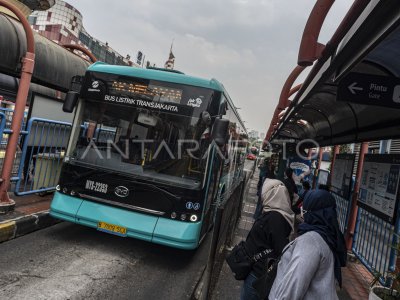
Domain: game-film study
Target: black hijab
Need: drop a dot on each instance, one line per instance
(320, 216)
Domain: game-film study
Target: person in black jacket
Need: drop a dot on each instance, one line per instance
(290, 184)
(270, 231)
(306, 188)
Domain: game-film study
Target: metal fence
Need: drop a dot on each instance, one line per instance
(373, 243)
(6, 115)
(2, 122)
(342, 209)
(42, 155)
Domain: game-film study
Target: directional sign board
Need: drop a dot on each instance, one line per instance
(370, 90)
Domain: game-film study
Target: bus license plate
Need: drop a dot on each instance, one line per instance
(111, 228)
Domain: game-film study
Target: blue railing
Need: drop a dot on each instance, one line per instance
(42, 156)
(2, 124)
(373, 243)
(104, 135)
(6, 115)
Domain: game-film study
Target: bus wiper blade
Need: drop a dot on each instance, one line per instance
(159, 189)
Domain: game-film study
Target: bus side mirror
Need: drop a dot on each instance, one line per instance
(70, 101)
(219, 131)
(223, 107)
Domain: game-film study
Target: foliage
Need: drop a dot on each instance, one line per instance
(393, 277)
(344, 148)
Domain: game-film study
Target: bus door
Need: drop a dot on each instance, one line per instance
(212, 193)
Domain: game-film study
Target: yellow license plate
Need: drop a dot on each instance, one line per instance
(111, 228)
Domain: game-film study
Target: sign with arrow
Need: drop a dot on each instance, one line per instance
(370, 90)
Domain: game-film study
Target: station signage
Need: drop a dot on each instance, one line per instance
(342, 174)
(379, 187)
(370, 90)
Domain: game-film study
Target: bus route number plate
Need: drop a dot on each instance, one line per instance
(111, 228)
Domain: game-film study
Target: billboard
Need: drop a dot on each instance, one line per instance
(341, 174)
(323, 176)
(379, 187)
(301, 169)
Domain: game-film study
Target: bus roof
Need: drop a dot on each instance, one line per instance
(156, 75)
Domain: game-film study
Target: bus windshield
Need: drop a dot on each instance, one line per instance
(141, 135)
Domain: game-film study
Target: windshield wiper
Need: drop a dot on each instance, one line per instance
(159, 189)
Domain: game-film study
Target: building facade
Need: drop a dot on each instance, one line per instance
(63, 24)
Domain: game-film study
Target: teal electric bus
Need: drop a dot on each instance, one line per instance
(150, 153)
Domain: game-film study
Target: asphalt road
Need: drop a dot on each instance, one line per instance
(69, 261)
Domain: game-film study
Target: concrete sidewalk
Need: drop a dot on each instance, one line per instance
(31, 213)
(228, 287)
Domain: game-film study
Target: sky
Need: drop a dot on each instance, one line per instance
(250, 46)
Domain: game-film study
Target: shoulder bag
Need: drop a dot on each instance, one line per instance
(241, 263)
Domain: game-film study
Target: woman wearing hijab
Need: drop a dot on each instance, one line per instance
(270, 231)
(309, 267)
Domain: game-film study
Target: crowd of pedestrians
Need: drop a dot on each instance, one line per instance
(301, 232)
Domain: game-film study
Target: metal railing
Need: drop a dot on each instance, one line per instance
(373, 243)
(342, 210)
(6, 115)
(2, 123)
(42, 155)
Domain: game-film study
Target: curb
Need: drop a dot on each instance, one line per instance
(12, 229)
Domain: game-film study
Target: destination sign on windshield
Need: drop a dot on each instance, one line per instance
(148, 94)
(157, 93)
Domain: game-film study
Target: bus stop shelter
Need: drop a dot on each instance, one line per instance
(352, 95)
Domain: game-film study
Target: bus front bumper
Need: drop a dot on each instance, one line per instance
(172, 233)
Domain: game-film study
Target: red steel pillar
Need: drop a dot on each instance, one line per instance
(310, 50)
(28, 62)
(336, 151)
(351, 223)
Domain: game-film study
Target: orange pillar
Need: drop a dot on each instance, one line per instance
(310, 50)
(28, 61)
(351, 223)
(335, 152)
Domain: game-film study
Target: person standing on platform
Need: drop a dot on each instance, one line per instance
(270, 231)
(311, 265)
(290, 184)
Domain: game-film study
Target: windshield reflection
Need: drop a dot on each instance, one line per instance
(158, 145)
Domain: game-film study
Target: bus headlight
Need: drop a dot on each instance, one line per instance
(58, 187)
(65, 190)
(173, 215)
(193, 218)
(183, 217)
(73, 193)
